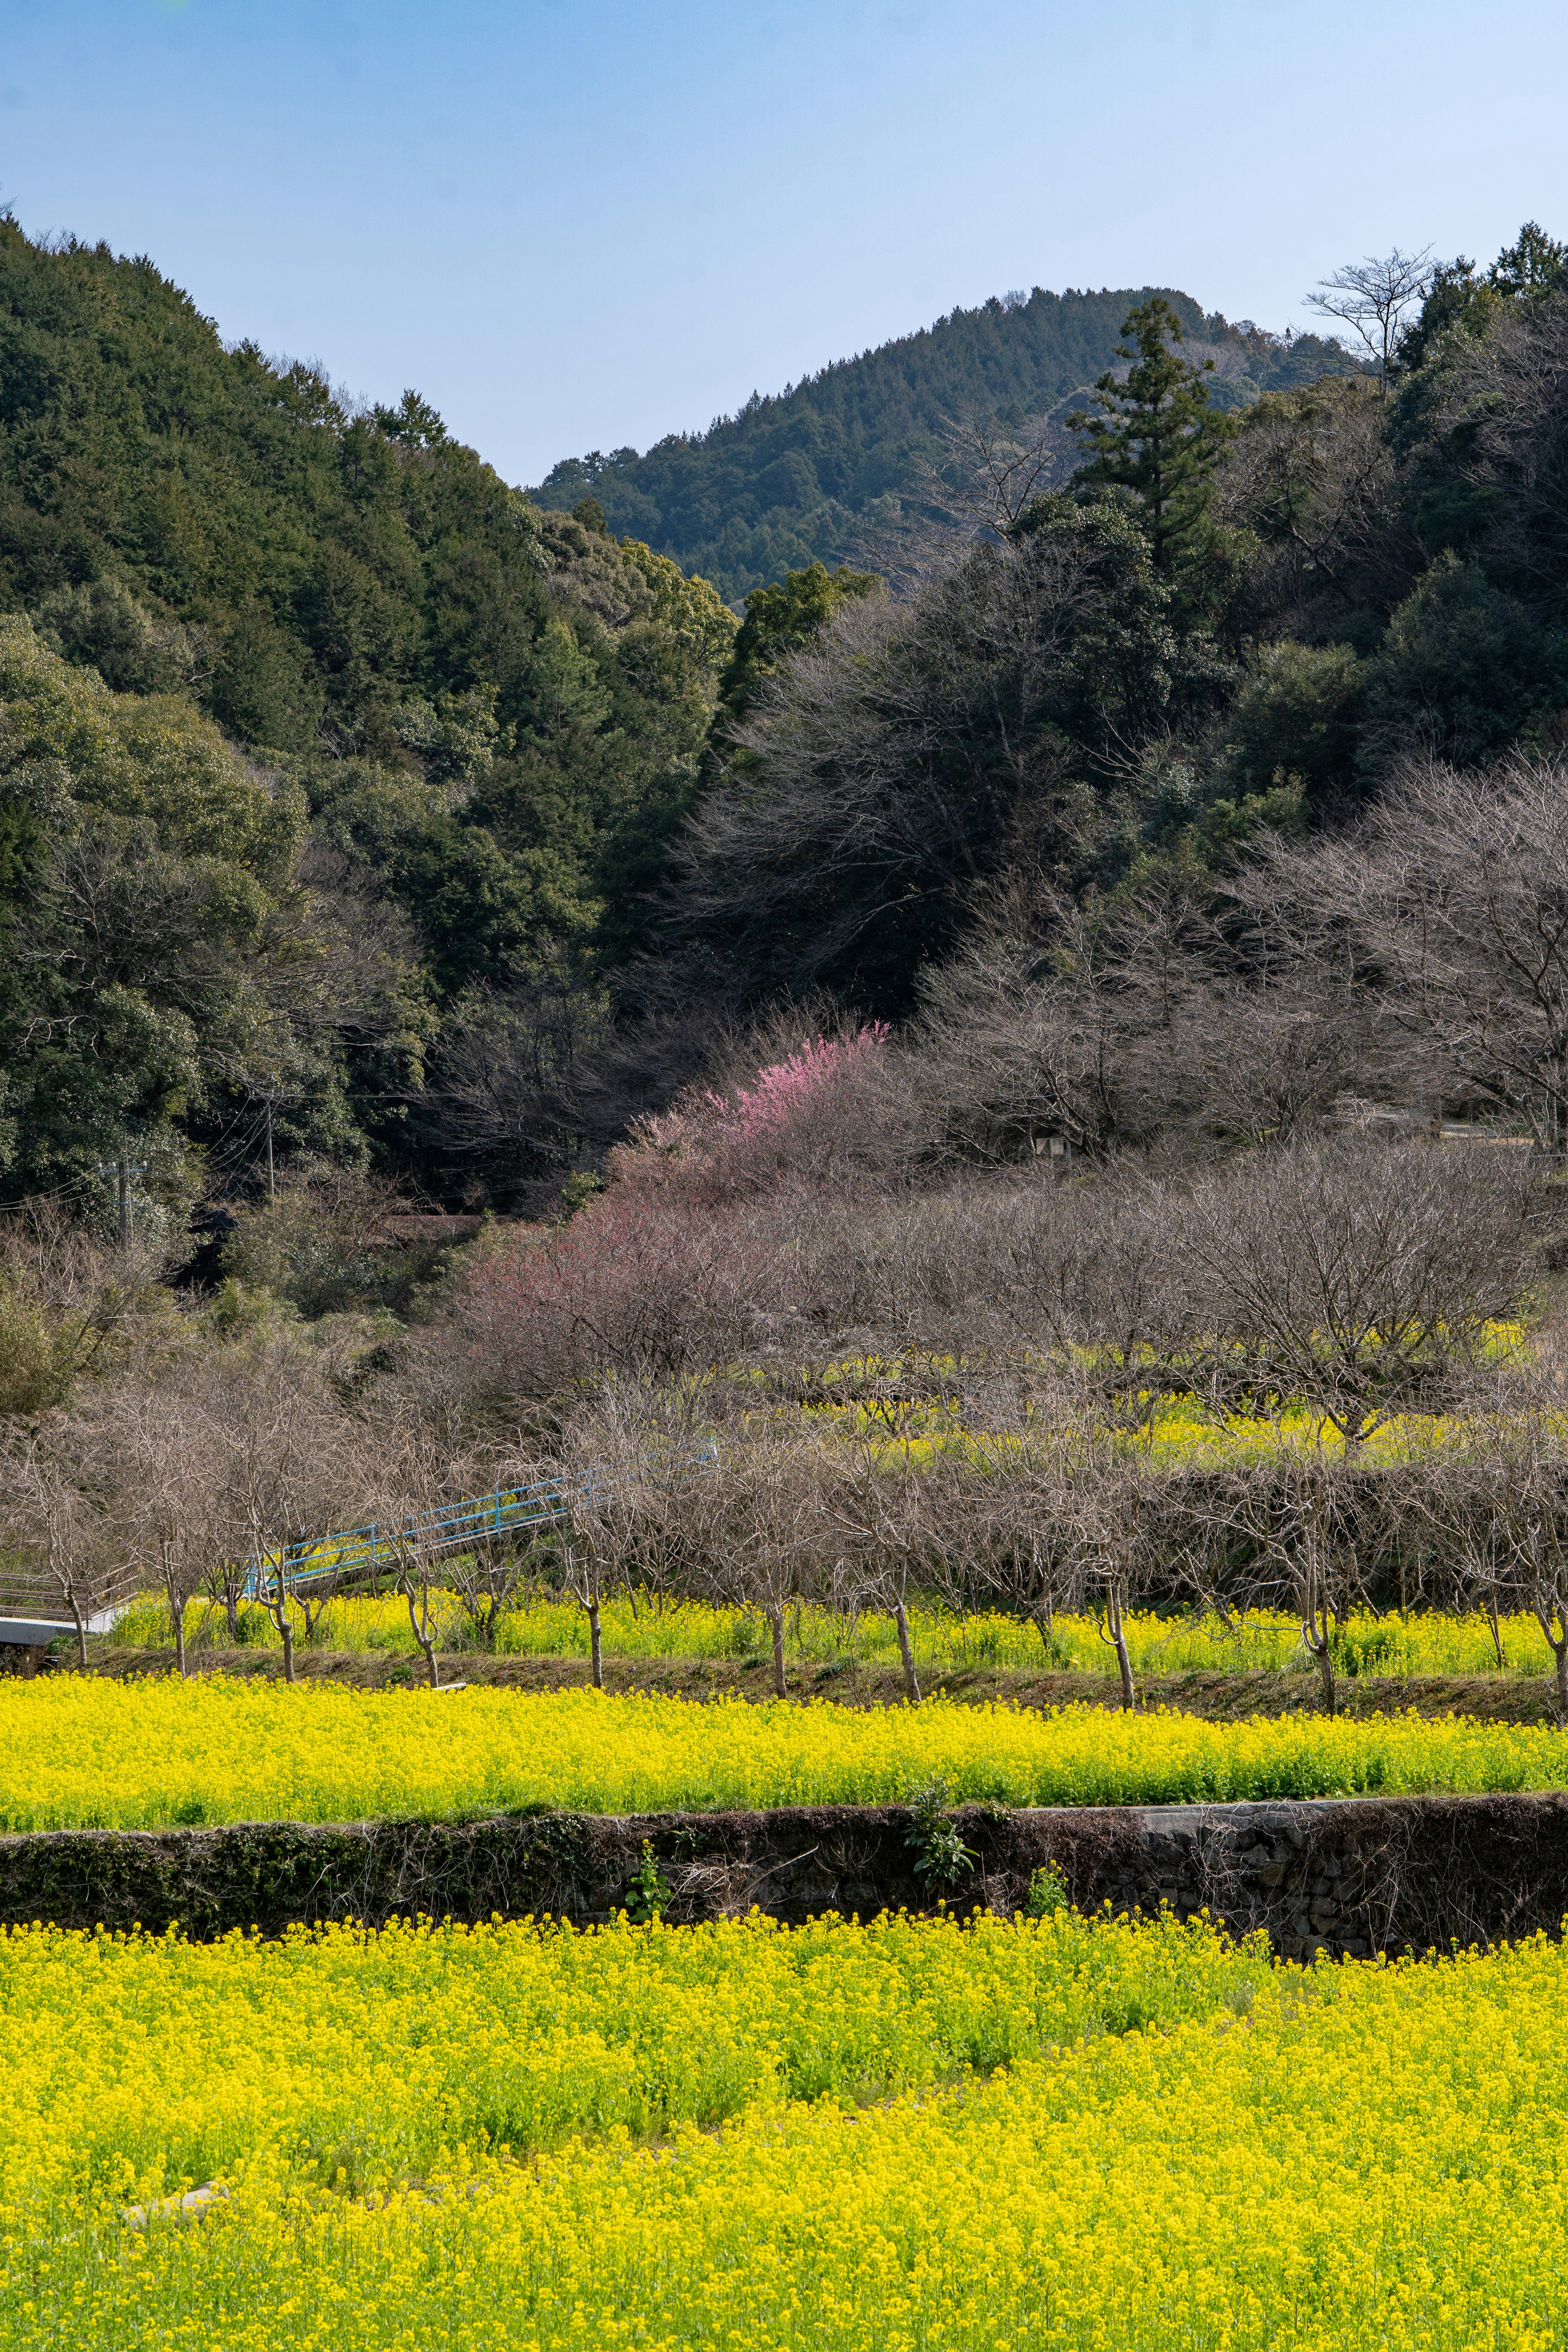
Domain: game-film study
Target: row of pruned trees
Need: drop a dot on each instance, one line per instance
(1360, 1277)
(985, 1486)
(1331, 1285)
(1059, 1513)
(196, 1475)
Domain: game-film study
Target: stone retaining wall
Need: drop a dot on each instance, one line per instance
(1356, 1876)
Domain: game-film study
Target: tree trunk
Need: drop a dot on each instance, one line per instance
(1113, 1633)
(1559, 1642)
(1322, 1649)
(911, 1683)
(780, 1683)
(419, 1624)
(286, 1629)
(1124, 1666)
(176, 1600)
(231, 1608)
(81, 1634)
(596, 1645)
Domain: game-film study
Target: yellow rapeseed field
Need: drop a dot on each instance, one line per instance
(81, 1751)
(1332, 2159)
(377, 2053)
(1429, 1642)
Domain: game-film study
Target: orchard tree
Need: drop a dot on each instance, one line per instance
(57, 1541)
(1363, 1278)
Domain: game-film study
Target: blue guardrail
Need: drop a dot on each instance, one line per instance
(454, 1527)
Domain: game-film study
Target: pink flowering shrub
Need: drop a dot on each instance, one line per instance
(788, 1093)
(685, 1258)
(822, 1108)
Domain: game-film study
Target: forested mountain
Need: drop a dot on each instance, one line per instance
(483, 720)
(356, 806)
(801, 477)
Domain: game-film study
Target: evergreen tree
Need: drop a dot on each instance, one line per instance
(780, 620)
(1457, 295)
(1158, 438)
(1535, 265)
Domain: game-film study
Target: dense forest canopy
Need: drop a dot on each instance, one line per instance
(1226, 620)
(486, 720)
(361, 809)
(801, 477)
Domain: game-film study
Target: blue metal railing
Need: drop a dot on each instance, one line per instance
(452, 1527)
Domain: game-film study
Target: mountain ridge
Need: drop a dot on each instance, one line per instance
(801, 476)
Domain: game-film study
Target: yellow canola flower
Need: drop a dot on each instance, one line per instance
(376, 2053)
(1354, 2157)
(1431, 1643)
(83, 1752)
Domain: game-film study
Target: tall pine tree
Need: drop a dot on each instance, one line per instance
(1157, 437)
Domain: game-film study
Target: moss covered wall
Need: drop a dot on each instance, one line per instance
(1355, 1876)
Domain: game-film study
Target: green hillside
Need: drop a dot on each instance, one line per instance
(324, 566)
(358, 807)
(796, 478)
(472, 721)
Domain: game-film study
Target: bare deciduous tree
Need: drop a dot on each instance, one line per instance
(1450, 902)
(1157, 1022)
(634, 1468)
(487, 1573)
(1111, 1497)
(166, 1476)
(767, 1529)
(1371, 297)
(288, 1467)
(419, 1475)
(1010, 1524)
(54, 1527)
(1515, 1531)
(882, 1510)
(1062, 1032)
(1298, 1514)
(1361, 1277)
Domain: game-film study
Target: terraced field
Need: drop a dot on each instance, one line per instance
(1043, 2132)
(85, 1753)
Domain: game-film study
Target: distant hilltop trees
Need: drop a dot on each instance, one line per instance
(801, 478)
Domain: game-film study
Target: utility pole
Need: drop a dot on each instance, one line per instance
(269, 1099)
(122, 1171)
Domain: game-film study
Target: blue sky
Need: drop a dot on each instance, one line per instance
(577, 222)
